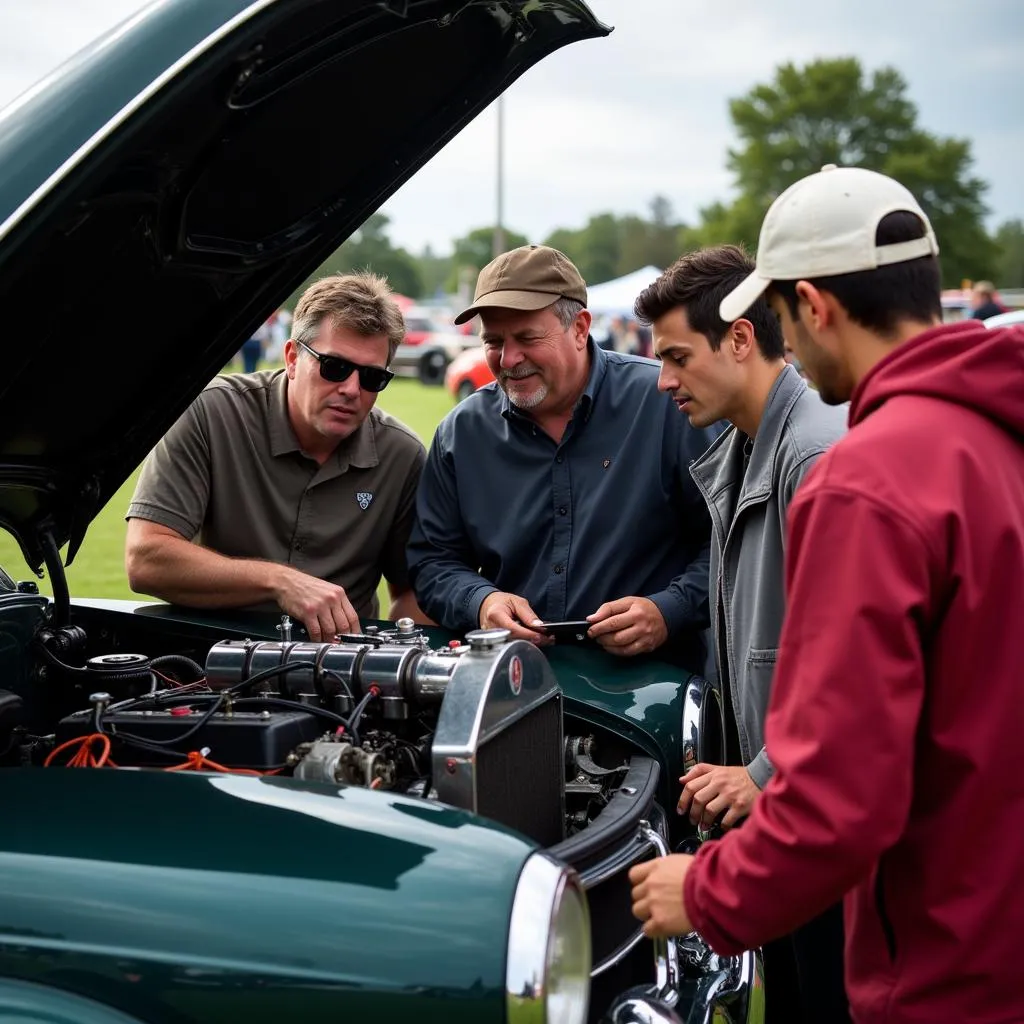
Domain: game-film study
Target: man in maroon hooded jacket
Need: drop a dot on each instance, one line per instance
(897, 707)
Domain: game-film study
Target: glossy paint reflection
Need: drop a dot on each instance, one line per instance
(264, 884)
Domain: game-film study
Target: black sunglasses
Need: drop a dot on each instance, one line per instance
(335, 369)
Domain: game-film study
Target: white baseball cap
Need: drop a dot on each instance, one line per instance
(824, 225)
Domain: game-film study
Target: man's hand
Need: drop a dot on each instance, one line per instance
(658, 895)
(322, 607)
(710, 789)
(628, 626)
(511, 612)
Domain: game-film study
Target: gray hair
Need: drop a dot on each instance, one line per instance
(566, 310)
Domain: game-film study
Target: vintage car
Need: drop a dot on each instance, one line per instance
(467, 373)
(208, 818)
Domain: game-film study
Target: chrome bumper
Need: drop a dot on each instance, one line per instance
(692, 984)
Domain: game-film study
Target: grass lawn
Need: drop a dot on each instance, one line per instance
(98, 569)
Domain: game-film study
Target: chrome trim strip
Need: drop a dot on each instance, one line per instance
(697, 695)
(619, 955)
(622, 859)
(666, 954)
(125, 112)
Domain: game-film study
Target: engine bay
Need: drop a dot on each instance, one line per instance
(477, 724)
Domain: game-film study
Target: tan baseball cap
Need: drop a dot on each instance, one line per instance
(530, 277)
(824, 225)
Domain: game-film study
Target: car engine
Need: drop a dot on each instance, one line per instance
(476, 724)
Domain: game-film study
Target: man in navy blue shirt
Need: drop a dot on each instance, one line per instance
(562, 490)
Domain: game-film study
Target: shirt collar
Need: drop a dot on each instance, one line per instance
(358, 449)
(788, 387)
(598, 369)
(282, 437)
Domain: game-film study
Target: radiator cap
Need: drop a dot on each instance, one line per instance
(486, 639)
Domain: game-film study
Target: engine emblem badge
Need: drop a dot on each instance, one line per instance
(515, 675)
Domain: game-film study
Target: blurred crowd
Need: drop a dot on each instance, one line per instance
(267, 342)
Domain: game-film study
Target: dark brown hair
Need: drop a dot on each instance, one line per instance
(698, 282)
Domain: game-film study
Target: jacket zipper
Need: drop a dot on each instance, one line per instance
(883, 915)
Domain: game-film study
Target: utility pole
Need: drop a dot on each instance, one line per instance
(499, 226)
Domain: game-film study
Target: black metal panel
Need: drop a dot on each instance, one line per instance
(243, 739)
(520, 775)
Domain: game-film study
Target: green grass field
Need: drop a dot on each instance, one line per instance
(98, 569)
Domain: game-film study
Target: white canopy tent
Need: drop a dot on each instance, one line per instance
(616, 298)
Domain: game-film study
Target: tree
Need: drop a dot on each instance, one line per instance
(598, 247)
(1010, 260)
(829, 111)
(608, 246)
(474, 251)
(657, 243)
(434, 270)
(369, 248)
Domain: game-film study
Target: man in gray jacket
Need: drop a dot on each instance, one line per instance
(738, 372)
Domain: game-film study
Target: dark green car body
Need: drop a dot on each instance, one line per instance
(146, 228)
(203, 897)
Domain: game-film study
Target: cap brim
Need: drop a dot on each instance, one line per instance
(527, 301)
(742, 297)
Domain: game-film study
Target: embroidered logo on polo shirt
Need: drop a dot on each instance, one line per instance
(364, 498)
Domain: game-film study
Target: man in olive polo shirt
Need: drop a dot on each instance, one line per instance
(289, 487)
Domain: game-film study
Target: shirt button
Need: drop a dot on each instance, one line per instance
(562, 510)
(558, 570)
(559, 458)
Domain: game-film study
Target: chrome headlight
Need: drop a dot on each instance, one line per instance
(547, 975)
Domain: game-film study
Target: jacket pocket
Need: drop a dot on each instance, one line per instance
(755, 687)
(883, 914)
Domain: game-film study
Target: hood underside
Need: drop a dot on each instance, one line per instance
(170, 186)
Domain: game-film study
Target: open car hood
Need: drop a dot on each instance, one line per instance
(163, 191)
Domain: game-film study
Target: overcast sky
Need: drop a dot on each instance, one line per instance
(606, 124)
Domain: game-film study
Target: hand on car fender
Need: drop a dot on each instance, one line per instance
(628, 626)
(512, 612)
(658, 895)
(322, 607)
(710, 789)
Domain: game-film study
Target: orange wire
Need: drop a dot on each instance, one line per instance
(197, 762)
(83, 756)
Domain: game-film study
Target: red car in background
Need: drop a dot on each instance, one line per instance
(467, 372)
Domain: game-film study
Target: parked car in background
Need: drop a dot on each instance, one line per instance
(957, 302)
(1007, 319)
(467, 372)
(429, 346)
